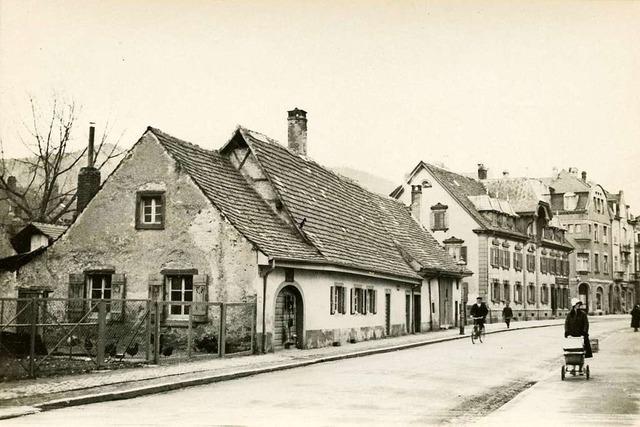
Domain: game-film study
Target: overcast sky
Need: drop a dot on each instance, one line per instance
(519, 86)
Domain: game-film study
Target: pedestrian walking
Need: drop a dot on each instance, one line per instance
(577, 325)
(635, 318)
(507, 314)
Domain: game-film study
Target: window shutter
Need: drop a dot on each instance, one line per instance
(118, 281)
(353, 301)
(76, 309)
(507, 258)
(463, 254)
(343, 300)
(199, 306)
(374, 302)
(332, 299)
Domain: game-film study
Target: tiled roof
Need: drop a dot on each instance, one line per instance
(523, 194)
(566, 182)
(464, 189)
(223, 185)
(413, 240)
(52, 231)
(343, 220)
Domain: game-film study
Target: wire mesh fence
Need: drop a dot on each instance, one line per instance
(49, 336)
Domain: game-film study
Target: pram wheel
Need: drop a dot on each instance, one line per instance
(562, 372)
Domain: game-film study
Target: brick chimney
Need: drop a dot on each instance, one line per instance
(416, 201)
(297, 124)
(482, 171)
(88, 177)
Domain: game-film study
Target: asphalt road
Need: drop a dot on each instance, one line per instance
(454, 382)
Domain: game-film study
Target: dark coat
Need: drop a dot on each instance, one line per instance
(507, 313)
(576, 324)
(479, 311)
(635, 317)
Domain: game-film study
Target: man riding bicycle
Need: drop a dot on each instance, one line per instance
(479, 312)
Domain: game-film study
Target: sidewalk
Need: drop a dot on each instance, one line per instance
(29, 396)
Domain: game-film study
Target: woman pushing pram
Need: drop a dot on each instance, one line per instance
(577, 325)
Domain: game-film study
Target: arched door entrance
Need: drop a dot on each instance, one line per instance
(289, 315)
(583, 295)
(599, 298)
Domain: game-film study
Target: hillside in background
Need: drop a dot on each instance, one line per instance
(371, 182)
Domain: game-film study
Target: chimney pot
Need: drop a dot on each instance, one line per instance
(482, 171)
(297, 131)
(505, 174)
(584, 176)
(90, 149)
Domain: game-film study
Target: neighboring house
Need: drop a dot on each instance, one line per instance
(636, 263)
(36, 235)
(252, 220)
(623, 253)
(503, 230)
(582, 208)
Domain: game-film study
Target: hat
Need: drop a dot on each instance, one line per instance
(575, 301)
(479, 298)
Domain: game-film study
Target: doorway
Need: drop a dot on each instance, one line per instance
(416, 314)
(289, 315)
(445, 288)
(407, 313)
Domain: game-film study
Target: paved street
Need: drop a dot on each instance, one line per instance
(454, 382)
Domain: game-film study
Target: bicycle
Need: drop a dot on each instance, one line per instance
(478, 332)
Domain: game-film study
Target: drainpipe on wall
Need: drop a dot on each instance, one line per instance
(265, 273)
(430, 308)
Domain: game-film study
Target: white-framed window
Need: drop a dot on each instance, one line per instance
(99, 287)
(372, 301)
(517, 292)
(179, 289)
(439, 220)
(150, 211)
(338, 299)
(582, 262)
(358, 301)
(578, 228)
(531, 293)
(506, 291)
(495, 290)
(605, 263)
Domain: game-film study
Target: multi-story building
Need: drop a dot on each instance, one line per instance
(583, 209)
(503, 230)
(623, 253)
(636, 257)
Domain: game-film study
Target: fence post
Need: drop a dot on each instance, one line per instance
(32, 347)
(102, 326)
(156, 334)
(148, 332)
(189, 331)
(222, 331)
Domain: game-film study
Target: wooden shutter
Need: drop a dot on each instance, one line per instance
(199, 306)
(76, 309)
(507, 259)
(374, 302)
(342, 300)
(332, 298)
(118, 282)
(353, 300)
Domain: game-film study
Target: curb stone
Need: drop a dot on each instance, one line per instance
(16, 411)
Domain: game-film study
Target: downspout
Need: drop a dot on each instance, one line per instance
(265, 274)
(430, 308)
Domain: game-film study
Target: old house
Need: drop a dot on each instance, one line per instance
(503, 230)
(326, 260)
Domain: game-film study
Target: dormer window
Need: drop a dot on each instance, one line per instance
(439, 220)
(150, 210)
(570, 201)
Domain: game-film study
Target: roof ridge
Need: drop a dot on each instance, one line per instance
(159, 132)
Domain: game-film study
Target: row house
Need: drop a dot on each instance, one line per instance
(326, 261)
(623, 253)
(502, 230)
(594, 227)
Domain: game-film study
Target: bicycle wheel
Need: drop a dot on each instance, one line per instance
(481, 335)
(473, 335)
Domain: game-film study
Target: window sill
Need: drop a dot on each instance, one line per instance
(439, 229)
(140, 226)
(177, 323)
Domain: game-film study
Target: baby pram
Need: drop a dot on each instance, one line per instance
(574, 358)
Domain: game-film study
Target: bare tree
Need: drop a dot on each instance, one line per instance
(45, 192)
